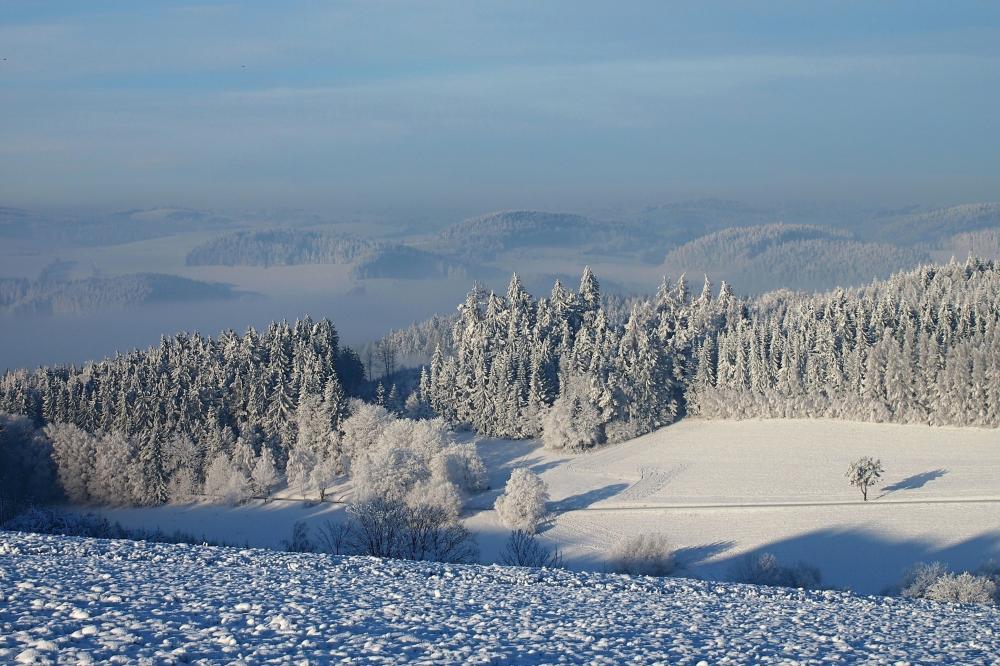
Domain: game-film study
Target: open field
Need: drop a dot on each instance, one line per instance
(719, 490)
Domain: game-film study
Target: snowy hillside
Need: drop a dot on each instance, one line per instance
(86, 601)
(719, 490)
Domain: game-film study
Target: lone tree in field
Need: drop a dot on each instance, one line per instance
(864, 472)
(522, 505)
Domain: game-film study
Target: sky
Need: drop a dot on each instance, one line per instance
(475, 106)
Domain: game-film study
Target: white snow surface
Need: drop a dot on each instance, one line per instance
(719, 490)
(73, 600)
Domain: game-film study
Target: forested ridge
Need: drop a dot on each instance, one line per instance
(571, 368)
(920, 347)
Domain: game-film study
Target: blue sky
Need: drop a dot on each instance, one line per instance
(472, 106)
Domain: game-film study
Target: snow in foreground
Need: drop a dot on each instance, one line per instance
(70, 600)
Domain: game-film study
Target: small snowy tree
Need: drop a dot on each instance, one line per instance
(322, 475)
(522, 504)
(865, 472)
(298, 470)
(264, 475)
(225, 482)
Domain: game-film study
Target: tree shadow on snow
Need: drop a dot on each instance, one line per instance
(915, 481)
(585, 499)
(693, 555)
(864, 560)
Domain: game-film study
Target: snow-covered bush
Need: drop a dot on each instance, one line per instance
(408, 454)
(919, 578)
(225, 483)
(864, 473)
(524, 550)
(522, 504)
(460, 465)
(643, 555)
(765, 569)
(964, 588)
(933, 581)
(386, 527)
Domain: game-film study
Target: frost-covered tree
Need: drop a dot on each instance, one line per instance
(224, 482)
(74, 451)
(522, 506)
(264, 476)
(302, 459)
(864, 473)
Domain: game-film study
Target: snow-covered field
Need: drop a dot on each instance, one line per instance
(70, 600)
(720, 490)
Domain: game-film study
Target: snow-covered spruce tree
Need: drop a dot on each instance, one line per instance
(574, 422)
(864, 473)
(515, 359)
(522, 506)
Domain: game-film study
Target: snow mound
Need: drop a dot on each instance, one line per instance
(68, 599)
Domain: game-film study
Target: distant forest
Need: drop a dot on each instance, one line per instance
(279, 247)
(65, 296)
(289, 247)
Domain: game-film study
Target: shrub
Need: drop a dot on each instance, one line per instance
(300, 541)
(522, 504)
(524, 550)
(919, 578)
(388, 527)
(643, 555)
(335, 538)
(765, 569)
(964, 588)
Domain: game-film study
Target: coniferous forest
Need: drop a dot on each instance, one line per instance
(920, 347)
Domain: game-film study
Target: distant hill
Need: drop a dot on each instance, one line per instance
(95, 294)
(488, 235)
(279, 247)
(683, 221)
(939, 224)
(802, 257)
(403, 262)
(105, 229)
(984, 243)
